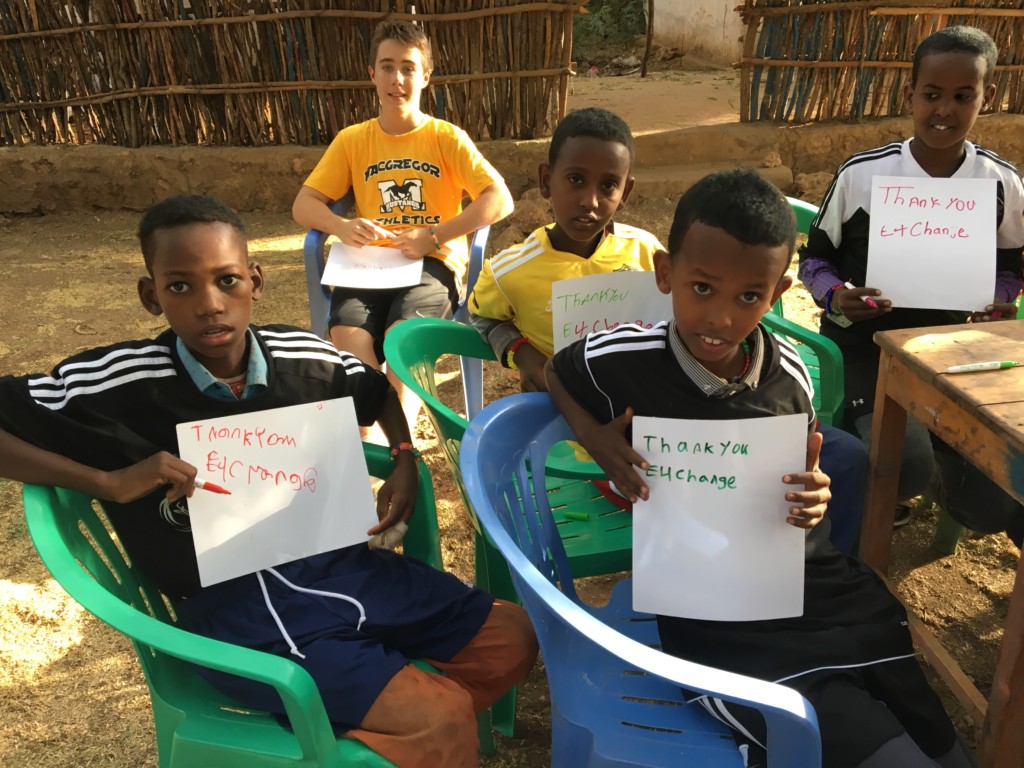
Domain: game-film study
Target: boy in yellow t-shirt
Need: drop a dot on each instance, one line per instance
(408, 172)
(587, 179)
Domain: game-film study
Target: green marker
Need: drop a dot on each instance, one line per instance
(995, 365)
(581, 516)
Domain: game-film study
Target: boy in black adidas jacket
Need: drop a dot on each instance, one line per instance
(104, 422)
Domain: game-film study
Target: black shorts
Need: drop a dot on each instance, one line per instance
(859, 709)
(377, 310)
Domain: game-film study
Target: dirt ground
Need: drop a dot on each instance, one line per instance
(70, 688)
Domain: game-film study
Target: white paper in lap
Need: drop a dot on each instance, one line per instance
(584, 305)
(932, 242)
(371, 266)
(298, 481)
(712, 542)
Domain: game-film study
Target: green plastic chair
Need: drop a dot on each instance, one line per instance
(822, 357)
(196, 725)
(599, 544)
(824, 362)
(597, 536)
(805, 213)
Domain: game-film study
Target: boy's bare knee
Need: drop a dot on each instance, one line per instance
(422, 720)
(522, 639)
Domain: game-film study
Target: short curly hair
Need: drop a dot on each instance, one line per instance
(594, 122)
(181, 210)
(741, 202)
(958, 39)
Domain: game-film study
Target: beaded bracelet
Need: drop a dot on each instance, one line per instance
(510, 353)
(828, 298)
(433, 234)
(397, 449)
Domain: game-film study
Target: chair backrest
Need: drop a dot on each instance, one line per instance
(412, 349)
(472, 367)
(581, 651)
(824, 362)
(195, 723)
(313, 259)
(804, 212)
(822, 357)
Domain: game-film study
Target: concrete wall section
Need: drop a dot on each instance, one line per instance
(709, 29)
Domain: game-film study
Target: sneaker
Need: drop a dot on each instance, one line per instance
(902, 516)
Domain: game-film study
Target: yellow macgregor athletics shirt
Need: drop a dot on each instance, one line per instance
(415, 179)
(516, 283)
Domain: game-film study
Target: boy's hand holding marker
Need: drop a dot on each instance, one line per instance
(858, 303)
(140, 479)
(995, 311)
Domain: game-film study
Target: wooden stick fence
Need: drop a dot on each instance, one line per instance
(256, 72)
(806, 60)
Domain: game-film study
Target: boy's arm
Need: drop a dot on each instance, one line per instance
(27, 463)
(499, 334)
(493, 204)
(396, 498)
(311, 209)
(821, 255)
(606, 443)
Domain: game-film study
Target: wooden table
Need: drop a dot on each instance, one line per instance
(982, 416)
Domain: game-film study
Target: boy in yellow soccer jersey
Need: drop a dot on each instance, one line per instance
(587, 179)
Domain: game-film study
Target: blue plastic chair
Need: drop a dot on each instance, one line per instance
(472, 367)
(615, 698)
(314, 257)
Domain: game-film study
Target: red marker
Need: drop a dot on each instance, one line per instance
(206, 485)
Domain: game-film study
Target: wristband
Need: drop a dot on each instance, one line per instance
(828, 298)
(510, 353)
(835, 315)
(433, 234)
(397, 449)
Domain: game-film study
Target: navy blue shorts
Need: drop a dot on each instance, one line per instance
(412, 612)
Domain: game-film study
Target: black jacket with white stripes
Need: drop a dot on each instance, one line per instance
(849, 618)
(113, 406)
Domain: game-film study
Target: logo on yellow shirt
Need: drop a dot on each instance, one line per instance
(408, 195)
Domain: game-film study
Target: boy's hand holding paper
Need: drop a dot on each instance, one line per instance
(370, 266)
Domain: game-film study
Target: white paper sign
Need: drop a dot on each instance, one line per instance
(932, 242)
(712, 541)
(583, 305)
(371, 266)
(298, 481)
